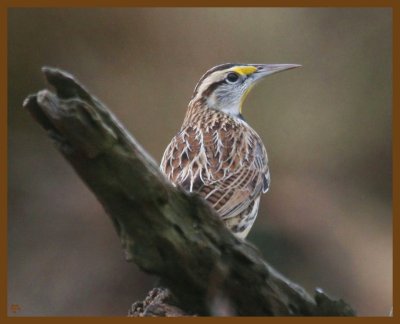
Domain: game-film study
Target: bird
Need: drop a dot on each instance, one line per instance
(216, 153)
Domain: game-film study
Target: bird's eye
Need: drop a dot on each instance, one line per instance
(232, 77)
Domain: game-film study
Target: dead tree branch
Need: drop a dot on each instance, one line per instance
(164, 230)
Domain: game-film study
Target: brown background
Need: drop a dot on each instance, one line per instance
(326, 221)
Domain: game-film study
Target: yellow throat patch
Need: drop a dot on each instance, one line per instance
(244, 96)
(244, 70)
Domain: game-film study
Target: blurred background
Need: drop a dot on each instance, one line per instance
(326, 221)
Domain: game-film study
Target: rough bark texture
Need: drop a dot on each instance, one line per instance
(158, 303)
(164, 230)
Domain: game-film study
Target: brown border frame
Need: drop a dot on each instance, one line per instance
(5, 4)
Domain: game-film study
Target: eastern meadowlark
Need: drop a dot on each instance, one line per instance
(216, 153)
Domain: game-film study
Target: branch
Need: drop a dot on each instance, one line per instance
(164, 230)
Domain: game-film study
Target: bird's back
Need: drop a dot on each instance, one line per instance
(221, 158)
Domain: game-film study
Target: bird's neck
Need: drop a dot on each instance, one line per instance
(201, 113)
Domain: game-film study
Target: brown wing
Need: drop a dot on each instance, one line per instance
(226, 165)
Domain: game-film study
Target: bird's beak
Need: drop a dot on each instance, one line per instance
(264, 70)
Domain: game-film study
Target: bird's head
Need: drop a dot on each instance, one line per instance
(225, 87)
